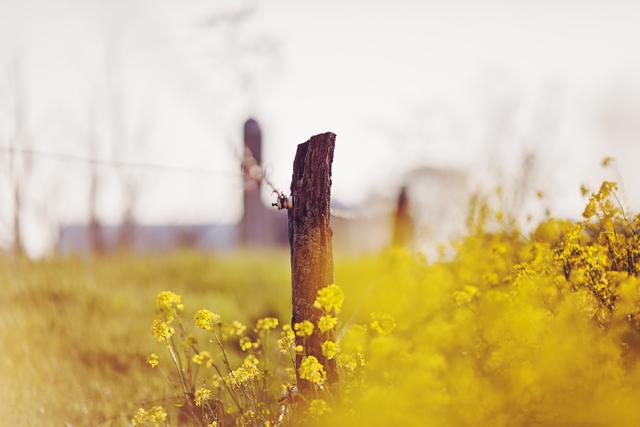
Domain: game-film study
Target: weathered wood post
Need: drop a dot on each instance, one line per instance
(310, 242)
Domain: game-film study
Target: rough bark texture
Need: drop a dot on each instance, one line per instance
(310, 241)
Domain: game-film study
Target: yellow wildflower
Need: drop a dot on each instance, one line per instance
(161, 330)
(202, 395)
(590, 209)
(606, 162)
(329, 349)
(247, 344)
(266, 324)
(312, 370)
(203, 358)
(236, 328)
(304, 328)
(287, 338)
(327, 323)
(206, 319)
(247, 372)
(382, 323)
(469, 293)
(168, 305)
(584, 190)
(152, 360)
(329, 298)
(361, 358)
(317, 407)
(350, 362)
(154, 416)
(215, 381)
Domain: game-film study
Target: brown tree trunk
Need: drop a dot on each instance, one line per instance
(310, 241)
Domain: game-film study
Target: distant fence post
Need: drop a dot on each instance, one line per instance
(252, 224)
(402, 221)
(310, 242)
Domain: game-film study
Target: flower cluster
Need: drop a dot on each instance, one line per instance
(152, 360)
(248, 371)
(206, 319)
(214, 388)
(304, 328)
(327, 323)
(202, 395)
(330, 299)
(154, 416)
(266, 324)
(312, 370)
(168, 308)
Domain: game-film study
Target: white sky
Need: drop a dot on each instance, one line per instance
(402, 83)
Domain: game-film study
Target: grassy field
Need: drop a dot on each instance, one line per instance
(513, 328)
(75, 332)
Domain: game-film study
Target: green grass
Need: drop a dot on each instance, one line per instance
(74, 333)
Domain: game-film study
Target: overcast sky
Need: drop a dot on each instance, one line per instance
(462, 84)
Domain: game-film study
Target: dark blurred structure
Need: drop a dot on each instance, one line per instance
(260, 225)
(402, 221)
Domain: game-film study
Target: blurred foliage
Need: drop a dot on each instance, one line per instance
(514, 328)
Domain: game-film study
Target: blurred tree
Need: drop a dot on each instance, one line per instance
(96, 242)
(20, 160)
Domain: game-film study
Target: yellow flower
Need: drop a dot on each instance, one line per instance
(287, 339)
(304, 328)
(590, 209)
(203, 358)
(206, 319)
(606, 162)
(312, 370)
(161, 330)
(213, 424)
(168, 305)
(154, 416)
(317, 407)
(247, 344)
(266, 324)
(329, 298)
(247, 372)
(215, 381)
(329, 349)
(152, 360)
(202, 395)
(584, 190)
(382, 323)
(348, 362)
(237, 328)
(468, 294)
(327, 323)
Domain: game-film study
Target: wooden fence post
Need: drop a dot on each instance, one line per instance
(402, 222)
(253, 231)
(310, 242)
